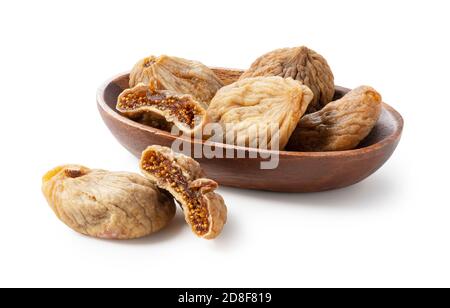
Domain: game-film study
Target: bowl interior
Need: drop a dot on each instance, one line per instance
(387, 124)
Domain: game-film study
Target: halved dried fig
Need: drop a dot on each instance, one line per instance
(178, 75)
(204, 210)
(252, 106)
(340, 125)
(299, 63)
(182, 110)
(103, 204)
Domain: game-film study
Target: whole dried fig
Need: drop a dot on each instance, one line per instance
(299, 63)
(182, 110)
(204, 210)
(340, 125)
(178, 75)
(259, 104)
(103, 204)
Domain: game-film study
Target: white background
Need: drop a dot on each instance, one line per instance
(391, 230)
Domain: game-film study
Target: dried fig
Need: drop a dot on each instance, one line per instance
(182, 110)
(204, 210)
(299, 63)
(178, 75)
(340, 125)
(258, 104)
(103, 204)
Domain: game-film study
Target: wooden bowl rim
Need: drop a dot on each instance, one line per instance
(355, 152)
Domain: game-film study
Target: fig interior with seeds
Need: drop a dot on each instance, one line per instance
(204, 210)
(183, 110)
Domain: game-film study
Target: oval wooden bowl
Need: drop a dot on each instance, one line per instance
(296, 172)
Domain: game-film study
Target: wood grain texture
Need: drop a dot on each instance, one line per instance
(296, 172)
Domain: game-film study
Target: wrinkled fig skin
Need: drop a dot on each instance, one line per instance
(162, 108)
(258, 104)
(183, 177)
(108, 205)
(299, 63)
(341, 125)
(178, 75)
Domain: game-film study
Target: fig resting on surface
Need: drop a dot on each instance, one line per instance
(104, 204)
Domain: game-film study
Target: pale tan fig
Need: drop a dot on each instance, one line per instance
(249, 110)
(204, 210)
(178, 75)
(109, 205)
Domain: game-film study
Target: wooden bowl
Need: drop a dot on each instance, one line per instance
(296, 172)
